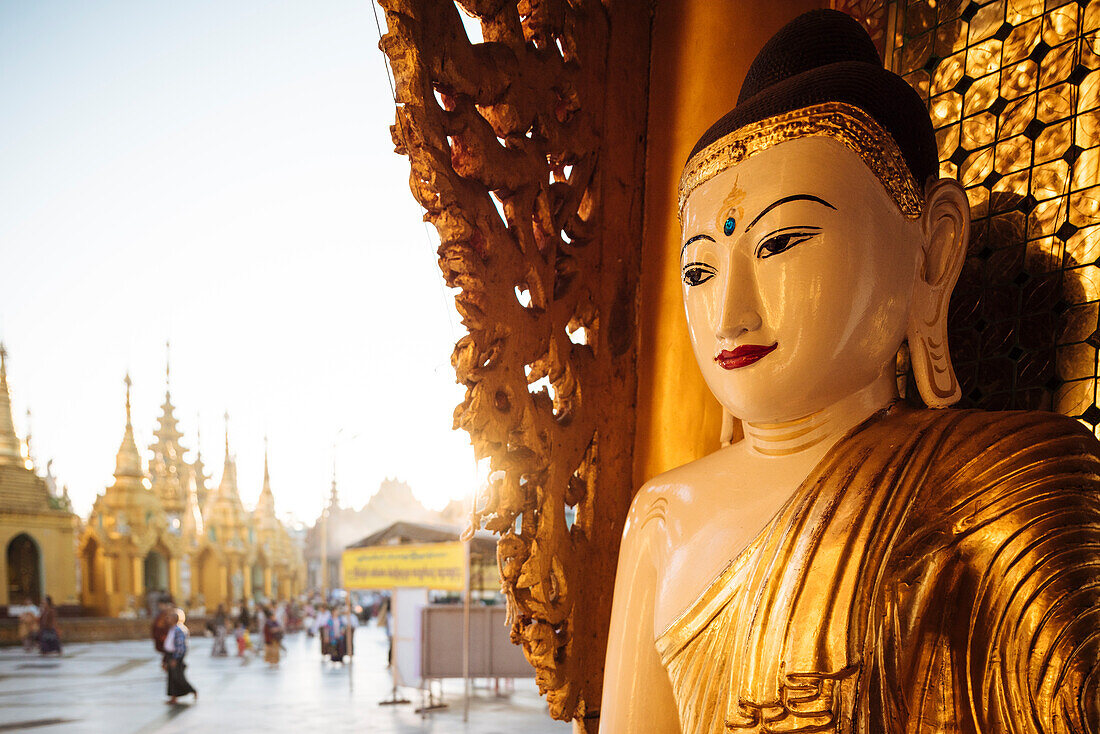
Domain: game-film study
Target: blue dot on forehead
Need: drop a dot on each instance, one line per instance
(728, 227)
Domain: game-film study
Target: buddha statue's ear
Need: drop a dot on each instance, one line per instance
(945, 227)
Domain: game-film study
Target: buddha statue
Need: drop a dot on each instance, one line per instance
(853, 563)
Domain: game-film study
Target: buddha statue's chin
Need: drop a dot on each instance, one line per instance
(798, 279)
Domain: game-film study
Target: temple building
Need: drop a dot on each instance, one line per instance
(37, 528)
(244, 555)
(225, 548)
(277, 564)
(159, 531)
(175, 482)
(128, 550)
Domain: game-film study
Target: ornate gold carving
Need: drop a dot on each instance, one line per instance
(525, 154)
(844, 123)
(937, 571)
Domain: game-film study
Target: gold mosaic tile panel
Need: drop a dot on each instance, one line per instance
(1013, 89)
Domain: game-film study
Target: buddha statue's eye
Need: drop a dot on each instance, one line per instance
(697, 273)
(781, 241)
(729, 226)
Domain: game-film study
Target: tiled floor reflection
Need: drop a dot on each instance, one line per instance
(118, 688)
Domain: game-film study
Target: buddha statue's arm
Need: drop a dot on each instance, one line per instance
(637, 695)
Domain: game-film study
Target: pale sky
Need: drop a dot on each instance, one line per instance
(220, 174)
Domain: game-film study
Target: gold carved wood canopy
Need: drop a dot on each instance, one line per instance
(527, 152)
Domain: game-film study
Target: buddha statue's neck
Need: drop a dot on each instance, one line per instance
(817, 432)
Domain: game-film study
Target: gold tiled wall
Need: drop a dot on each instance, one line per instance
(1013, 88)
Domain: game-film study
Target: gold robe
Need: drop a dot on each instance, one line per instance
(938, 571)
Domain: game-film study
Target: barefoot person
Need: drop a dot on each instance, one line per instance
(162, 623)
(273, 639)
(219, 650)
(175, 649)
(49, 638)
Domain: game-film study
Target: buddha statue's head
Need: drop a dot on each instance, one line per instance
(816, 236)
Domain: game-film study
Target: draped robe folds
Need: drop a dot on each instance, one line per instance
(938, 571)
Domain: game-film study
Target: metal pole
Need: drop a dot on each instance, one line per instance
(324, 555)
(351, 629)
(466, 639)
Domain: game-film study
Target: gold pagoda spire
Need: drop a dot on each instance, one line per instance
(168, 435)
(267, 475)
(228, 487)
(265, 505)
(128, 461)
(198, 468)
(10, 453)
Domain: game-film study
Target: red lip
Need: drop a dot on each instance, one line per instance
(743, 356)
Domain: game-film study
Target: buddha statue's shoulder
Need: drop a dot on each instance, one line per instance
(961, 469)
(959, 440)
(687, 484)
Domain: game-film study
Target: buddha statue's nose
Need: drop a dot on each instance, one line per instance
(738, 313)
(731, 328)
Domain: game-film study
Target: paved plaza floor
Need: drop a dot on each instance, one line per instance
(119, 688)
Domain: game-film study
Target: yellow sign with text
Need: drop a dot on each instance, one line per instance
(431, 566)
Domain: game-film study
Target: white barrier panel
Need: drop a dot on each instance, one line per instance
(406, 607)
(492, 654)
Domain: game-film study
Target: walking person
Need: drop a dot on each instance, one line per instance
(244, 642)
(337, 635)
(162, 623)
(384, 620)
(218, 650)
(244, 618)
(350, 624)
(261, 622)
(49, 637)
(273, 640)
(324, 618)
(28, 625)
(310, 620)
(175, 649)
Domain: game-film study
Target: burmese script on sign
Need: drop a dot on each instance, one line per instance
(433, 566)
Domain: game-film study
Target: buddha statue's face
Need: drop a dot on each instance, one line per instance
(798, 271)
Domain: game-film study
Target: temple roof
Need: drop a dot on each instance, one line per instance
(21, 490)
(483, 542)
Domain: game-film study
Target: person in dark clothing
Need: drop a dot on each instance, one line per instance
(162, 624)
(219, 627)
(49, 639)
(273, 639)
(175, 649)
(244, 617)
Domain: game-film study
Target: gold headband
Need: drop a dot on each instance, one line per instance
(853, 127)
